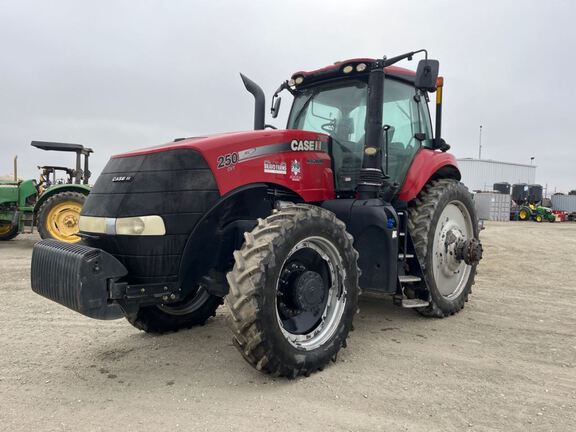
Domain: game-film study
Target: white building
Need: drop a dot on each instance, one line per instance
(481, 174)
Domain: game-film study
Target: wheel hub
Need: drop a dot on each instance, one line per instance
(309, 291)
(450, 238)
(469, 250)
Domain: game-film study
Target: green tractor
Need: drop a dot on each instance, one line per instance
(537, 213)
(52, 204)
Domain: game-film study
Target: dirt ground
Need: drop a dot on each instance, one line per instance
(507, 362)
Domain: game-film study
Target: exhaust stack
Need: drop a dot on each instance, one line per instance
(259, 101)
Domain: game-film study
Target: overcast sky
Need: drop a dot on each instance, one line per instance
(122, 74)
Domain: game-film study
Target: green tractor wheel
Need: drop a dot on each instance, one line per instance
(8, 230)
(59, 215)
(524, 214)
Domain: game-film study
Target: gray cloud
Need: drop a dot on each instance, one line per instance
(118, 75)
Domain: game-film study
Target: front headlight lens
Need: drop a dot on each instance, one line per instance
(138, 225)
(92, 224)
(130, 226)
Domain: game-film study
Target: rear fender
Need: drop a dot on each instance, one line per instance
(428, 165)
(56, 189)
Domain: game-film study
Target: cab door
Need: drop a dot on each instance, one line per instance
(406, 113)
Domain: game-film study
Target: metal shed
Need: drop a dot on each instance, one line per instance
(565, 203)
(481, 174)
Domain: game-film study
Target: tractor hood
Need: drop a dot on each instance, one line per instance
(240, 158)
(234, 140)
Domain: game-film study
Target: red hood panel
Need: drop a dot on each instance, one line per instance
(232, 141)
(292, 159)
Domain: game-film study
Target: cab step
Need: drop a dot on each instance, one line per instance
(402, 256)
(409, 279)
(414, 303)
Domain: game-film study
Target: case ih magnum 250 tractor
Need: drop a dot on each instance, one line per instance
(286, 225)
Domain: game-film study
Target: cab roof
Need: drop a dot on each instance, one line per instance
(336, 70)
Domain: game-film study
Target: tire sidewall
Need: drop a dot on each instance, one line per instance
(457, 193)
(314, 227)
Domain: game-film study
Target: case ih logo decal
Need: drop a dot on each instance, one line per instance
(122, 179)
(275, 167)
(306, 145)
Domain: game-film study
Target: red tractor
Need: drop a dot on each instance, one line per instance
(286, 225)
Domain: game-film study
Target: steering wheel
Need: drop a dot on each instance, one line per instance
(329, 127)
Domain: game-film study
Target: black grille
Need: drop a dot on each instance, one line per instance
(176, 184)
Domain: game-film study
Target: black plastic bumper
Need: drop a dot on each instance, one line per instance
(78, 277)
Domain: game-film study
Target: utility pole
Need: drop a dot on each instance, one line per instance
(480, 144)
(531, 160)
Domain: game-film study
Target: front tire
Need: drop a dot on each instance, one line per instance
(168, 318)
(293, 291)
(443, 206)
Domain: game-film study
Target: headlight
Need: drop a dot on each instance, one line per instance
(138, 225)
(361, 67)
(92, 224)
(348, 69)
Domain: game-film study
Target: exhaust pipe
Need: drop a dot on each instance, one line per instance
(259, 101)
(15, 168)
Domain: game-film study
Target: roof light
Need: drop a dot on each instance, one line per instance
(348, 69)
(299, 79)
(361, 67)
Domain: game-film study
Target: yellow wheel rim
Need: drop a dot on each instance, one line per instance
(62, 221)
(523, 214)
(5, 228)
(538, 218)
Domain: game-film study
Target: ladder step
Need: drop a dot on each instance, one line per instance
(414, 303)
(404, 256)
(409, 278)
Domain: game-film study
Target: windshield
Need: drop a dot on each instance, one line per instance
(337, 109)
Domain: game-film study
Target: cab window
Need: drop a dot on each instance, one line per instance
(407, 116)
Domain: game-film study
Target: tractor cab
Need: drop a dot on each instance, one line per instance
(335, 100)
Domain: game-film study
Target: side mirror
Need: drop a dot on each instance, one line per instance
(275, 109)
(426, 75)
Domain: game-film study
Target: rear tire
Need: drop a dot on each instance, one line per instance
(524, 214)
(293, 291)
(8, 231)
(58, 217)
(423, 224)
(161, 319)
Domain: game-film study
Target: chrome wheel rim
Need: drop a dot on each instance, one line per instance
(328, 312)
(451, 274)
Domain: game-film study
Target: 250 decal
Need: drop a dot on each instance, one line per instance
(227, 160)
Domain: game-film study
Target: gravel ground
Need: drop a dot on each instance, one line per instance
(507, 362)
